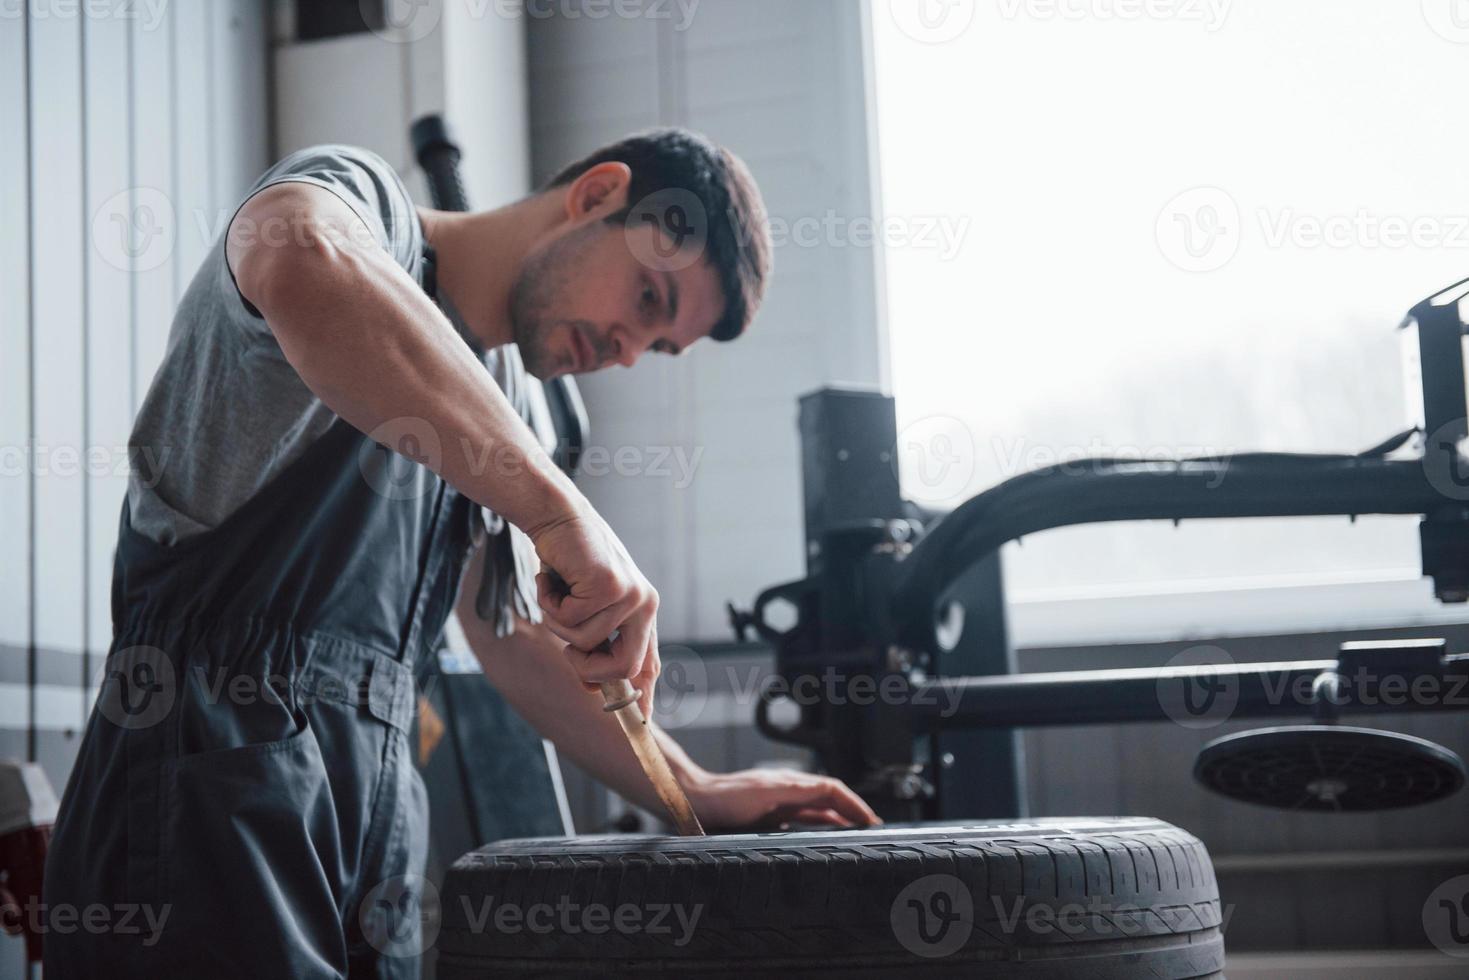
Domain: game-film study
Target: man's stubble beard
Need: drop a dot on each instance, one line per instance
(545, 275)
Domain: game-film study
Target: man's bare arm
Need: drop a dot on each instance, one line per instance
(374, 348)
(543, 687)
(367, 340)
(528, 669)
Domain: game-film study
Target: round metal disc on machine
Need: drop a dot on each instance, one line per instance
(1329, 768)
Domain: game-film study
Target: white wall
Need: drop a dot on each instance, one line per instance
(485, 97)
(462, 58)
(124, 134)
(783, 85)
(123, 139)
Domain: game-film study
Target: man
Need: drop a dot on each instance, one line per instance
(246, 773)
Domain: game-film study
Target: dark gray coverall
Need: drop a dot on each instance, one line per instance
(247, 770)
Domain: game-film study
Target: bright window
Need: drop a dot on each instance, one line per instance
(1170, 228)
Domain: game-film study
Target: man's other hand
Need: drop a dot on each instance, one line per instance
(766, 799)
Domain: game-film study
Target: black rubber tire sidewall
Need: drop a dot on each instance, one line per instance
(1046, 899)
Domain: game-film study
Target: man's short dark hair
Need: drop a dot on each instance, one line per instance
(738, 242)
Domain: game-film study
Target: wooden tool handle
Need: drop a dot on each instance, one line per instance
(621, 698)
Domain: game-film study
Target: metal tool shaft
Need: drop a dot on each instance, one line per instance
(621, 698)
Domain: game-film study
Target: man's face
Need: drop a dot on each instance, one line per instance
(584, 300)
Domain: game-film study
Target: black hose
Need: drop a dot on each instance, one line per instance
(438, 155)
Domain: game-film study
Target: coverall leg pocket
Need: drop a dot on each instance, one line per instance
(251, 862)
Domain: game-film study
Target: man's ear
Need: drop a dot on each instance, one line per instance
(601, 191)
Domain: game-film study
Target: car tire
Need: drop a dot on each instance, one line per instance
(1045, 899)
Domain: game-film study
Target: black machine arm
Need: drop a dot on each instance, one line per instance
(1249, 485)
(1097, 491)
(1255, 690)
(899, 595)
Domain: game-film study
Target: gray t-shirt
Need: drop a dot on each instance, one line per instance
(226, 412)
